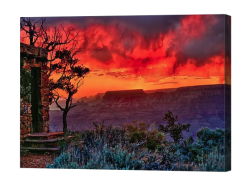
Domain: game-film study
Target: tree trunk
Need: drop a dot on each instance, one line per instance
(31, 40)
(65, 126)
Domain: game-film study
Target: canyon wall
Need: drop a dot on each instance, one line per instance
(201, 106)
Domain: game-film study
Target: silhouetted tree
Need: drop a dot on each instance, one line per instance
(33, 28)
(174, 129)
(50, 39)
(71, 78)
(61, 60)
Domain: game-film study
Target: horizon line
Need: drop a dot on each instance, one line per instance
(153, 89)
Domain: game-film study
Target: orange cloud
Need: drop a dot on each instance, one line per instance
(123, 56)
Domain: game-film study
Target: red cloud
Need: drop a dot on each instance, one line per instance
(193, 47)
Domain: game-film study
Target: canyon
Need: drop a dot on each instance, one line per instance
(200, 106)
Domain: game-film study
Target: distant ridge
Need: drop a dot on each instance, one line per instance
(200, 87)
(127, 90)
(124, 93)
(165, 90)
(201, 106)
(93, 100)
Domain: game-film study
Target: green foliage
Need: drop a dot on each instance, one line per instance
(212, 161)
(25, 82)
(208, 138)
(121, 159)
(191, 152)
(99, 129)
(174, 129)
(136, 132)
(139, 147)
(151, 138)
(64, 161)
(107, 158)
(228, 149)
(166, 159)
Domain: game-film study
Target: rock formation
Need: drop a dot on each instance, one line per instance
(201, 106)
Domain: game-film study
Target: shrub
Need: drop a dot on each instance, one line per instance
(138, 147)
(208, 138)
(212, 161)
(121, 159)
(64, 161)
(174, 129)
(137, 132)
(108, 158)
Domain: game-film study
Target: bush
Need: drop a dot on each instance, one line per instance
(138, 147)
(137, 132)
(212, 161)
(109, 158)
(64, 161)
(208, 138)
(174, 129)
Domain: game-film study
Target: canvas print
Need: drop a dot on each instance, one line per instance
(148, 92)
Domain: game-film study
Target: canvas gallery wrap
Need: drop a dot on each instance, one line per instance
(126, 92)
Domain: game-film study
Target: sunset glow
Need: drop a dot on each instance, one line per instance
(148, 52)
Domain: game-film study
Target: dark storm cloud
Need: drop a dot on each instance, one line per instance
(102, 54)
(52, 20)
(200, 49)
(146, 60)
(126, 42)
(150, 27)
(85, 43)
(170, 50)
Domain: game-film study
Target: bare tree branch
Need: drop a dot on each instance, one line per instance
(79, 83)
(72, 106)
(56, 100)
(32, 29)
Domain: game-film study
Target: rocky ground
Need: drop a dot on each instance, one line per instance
(36, 160)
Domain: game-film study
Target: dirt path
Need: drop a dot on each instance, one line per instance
(36, 160)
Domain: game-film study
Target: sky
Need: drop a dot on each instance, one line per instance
(150, 52)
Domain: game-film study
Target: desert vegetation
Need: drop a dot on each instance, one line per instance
(138, 146)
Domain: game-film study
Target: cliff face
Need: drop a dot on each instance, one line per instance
(123, 96)
(201, 106)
